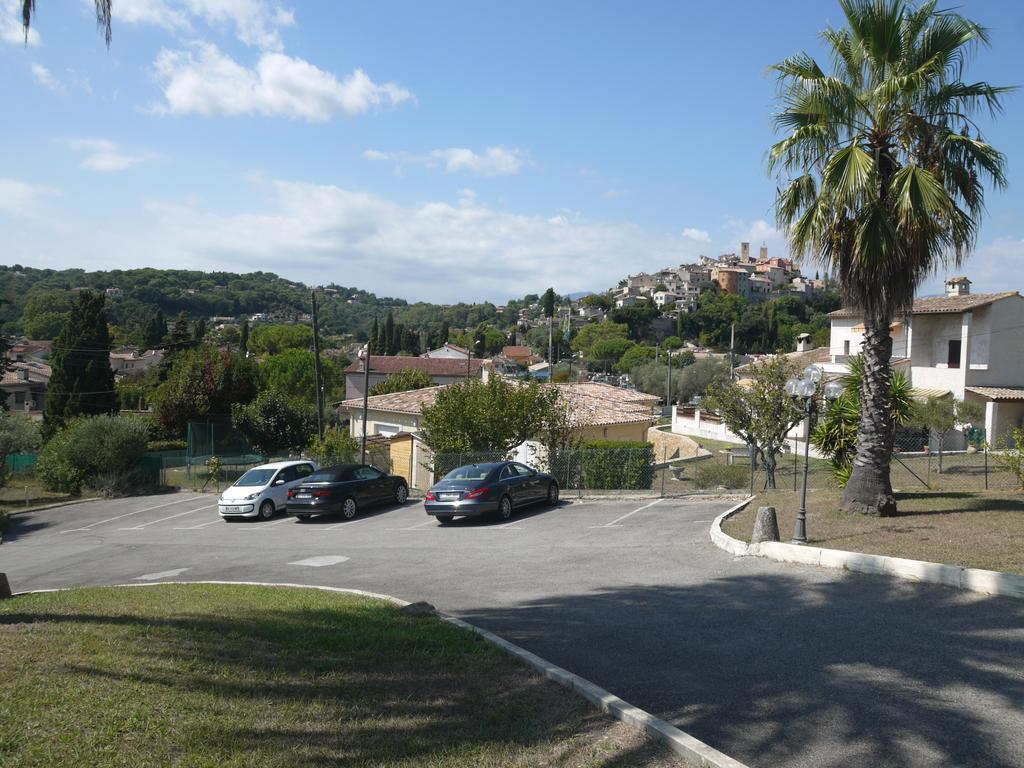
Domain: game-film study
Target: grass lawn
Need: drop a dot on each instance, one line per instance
(977, 530)
(22, 487)
(217, 675)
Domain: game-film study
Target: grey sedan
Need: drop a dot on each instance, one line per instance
(492, 488)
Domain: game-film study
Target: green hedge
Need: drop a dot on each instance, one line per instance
(618, 465)
(714, 474)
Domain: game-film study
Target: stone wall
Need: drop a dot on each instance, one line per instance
(669, 446)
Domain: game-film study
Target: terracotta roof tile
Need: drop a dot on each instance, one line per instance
(998, 393)
(433, 366)
(941, 304)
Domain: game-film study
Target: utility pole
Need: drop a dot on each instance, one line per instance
(668, 387)
(732, 343)
(364, 353)
(317, 371)
(551, 361)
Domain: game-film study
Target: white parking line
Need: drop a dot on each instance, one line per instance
(171, 517)
(129, 514)
(424, 524)
(201, 525)
(615, 523)
(161, 575)
(321, 560)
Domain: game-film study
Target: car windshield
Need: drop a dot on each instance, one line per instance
(256, 477)
(472, 472)
(327, 476)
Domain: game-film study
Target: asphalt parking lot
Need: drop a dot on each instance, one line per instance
(774, 664)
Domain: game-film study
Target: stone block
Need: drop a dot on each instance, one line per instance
(766, 526)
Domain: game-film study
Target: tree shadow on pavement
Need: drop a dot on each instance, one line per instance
(774, 670)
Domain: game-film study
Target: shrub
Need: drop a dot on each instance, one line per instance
(335, 447)
(713, 474)
(155, 446)
(618, 465)
(101, 452)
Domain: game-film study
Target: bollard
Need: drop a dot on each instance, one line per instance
(766, 526)
(5, 587)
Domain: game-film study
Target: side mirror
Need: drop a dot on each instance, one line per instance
(279, 481)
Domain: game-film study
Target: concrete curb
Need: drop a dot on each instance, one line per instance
(971, 579)
(72, 502)
(681, 743)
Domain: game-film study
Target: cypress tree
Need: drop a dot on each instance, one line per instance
(82, 382)
(389, 334)
(374, 333)
(155, 330)
(243, 339)
(199, 330)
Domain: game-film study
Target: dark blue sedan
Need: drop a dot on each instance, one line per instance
(498, 488)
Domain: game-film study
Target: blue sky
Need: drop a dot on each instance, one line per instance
(440, 151)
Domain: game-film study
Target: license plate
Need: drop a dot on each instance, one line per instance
(303, 495)
(232, 509)
(448, 496)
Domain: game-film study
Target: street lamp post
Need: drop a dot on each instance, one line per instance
(364, 355)
(805, 389)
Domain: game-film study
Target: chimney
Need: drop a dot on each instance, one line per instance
(804, 342)
(958, 286)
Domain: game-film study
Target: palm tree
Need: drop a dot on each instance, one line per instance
(882, 182)
(103, 16)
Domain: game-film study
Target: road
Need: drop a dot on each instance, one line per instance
(776, 665)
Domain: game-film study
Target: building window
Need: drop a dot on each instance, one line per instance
(953, 360)
(846, 347)
(388, 430)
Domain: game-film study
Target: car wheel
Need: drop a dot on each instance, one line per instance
(267, 510)
(505, 508)
(348, 508)
(445, 519)
(303, 518)
(401, 493)
(553, 494)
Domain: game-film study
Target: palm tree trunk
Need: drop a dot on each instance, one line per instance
(869, 490)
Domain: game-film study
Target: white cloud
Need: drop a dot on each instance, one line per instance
(19, 198)
(255, 22)
(697, 235)
(45, 78)
(492, 161)
(103, 155)
(613, 194)
(209, 83)
(11, 29)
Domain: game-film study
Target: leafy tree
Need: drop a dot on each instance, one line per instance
(711, 323)
(690, 382)
(599, 300)
(403, 381)
(82, 382)
(337, 446)
(203, 385)
(835, 435)
(672, 343)
(635, 356)
(591, 333)
(881, 184)
(606, 353)
(762, 413)
(274, 339)
(155, 330)
(291, 372)
(100, 452)
(199, 330)
(478, 416)
(274, 423)
(637, 318)
(683, 359)
(18, 434)
(1009, 454)
(941, 415)
(44, 313)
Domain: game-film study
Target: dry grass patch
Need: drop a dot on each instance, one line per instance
(976, 530)
(218, 675)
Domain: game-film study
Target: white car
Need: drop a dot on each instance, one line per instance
(263, 491)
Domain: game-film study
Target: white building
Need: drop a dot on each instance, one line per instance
(969, 346)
